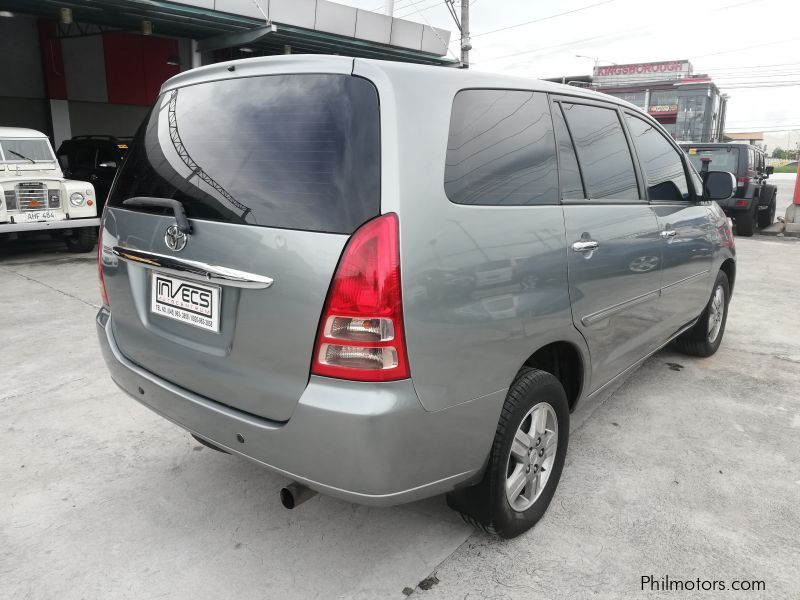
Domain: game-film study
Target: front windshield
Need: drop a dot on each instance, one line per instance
(722, 159)
(26, 150)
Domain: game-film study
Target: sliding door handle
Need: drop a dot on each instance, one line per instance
(668, 233)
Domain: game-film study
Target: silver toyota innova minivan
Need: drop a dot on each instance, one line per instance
(388, 281)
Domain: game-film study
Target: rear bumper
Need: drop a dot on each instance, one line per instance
(48, 225)
(366, 443)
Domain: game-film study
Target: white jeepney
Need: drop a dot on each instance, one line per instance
(35, 196)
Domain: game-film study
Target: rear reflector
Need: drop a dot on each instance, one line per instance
(741, 203)
(361, 334)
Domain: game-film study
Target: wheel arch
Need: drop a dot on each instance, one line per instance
(729, 268)
(567, 362)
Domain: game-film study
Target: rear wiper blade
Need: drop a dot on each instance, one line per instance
(177, 209)
(21, 155)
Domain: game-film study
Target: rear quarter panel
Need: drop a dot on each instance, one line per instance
(483, 287)
(724, 247)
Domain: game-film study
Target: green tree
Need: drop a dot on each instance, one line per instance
(779, 152)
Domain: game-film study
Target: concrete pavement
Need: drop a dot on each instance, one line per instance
(690, 469)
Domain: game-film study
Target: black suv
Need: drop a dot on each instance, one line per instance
(93, 158)
(753, 204)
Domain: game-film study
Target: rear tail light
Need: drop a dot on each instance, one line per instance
(726, 234)
(741, 203)
(742, 181)
(103, 294)
(361, 335)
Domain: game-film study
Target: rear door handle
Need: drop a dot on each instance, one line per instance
(585, 246)
(668, 233)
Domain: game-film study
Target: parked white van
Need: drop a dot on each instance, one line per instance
(36, 196)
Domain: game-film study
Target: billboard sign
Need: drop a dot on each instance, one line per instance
(636, 73)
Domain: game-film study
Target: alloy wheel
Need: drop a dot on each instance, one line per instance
(716, 313)
(532, 455)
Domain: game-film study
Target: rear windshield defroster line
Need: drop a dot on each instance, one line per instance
(285, 151)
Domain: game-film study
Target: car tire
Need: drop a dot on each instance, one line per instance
(705, 337)
(767, 217)
(536, 402)
(746, 222)
(81, 240)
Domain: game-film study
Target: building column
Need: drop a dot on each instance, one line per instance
(197, 56)
(59, 116)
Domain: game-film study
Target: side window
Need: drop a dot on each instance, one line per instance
(501, 149)
(603, 152)
(65, 156)
(660, 161)
(84, 157)
(571, 185)
(106, 154)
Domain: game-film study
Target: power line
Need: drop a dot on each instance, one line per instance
(749, 67)
(756, 87)
(380, 7)
(615, 36)
(435, 32)
(760, 129)
(417, 10)
(742, 49)
(569, 12)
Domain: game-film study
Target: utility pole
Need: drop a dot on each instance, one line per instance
(466, 45)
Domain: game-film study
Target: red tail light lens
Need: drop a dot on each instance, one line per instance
(103, 294)
(726, 234)
(361, 335)
(742, 181)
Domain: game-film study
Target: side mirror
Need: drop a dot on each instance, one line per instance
(719, 185)
(108, 165)
(770, 170)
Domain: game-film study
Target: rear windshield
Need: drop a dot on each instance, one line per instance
(722, 159)
(287, 151)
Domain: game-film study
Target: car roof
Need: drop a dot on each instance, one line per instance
(315, 63)
(20, 132)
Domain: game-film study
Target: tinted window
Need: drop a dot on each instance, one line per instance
(571, 186)
(603, 152)
(107, 154)
(289, 151)
(84, 157)
(65, 155)
(660, 161)
(501, 149)
(722, 159)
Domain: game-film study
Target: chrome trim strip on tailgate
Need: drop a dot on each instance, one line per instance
(193, 269)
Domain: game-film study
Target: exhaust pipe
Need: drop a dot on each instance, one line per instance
(294, 495)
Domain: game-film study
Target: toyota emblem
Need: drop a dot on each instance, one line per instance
(175, 239)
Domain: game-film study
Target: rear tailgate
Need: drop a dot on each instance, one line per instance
(275, 173)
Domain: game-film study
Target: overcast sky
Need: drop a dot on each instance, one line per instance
(738, 42)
